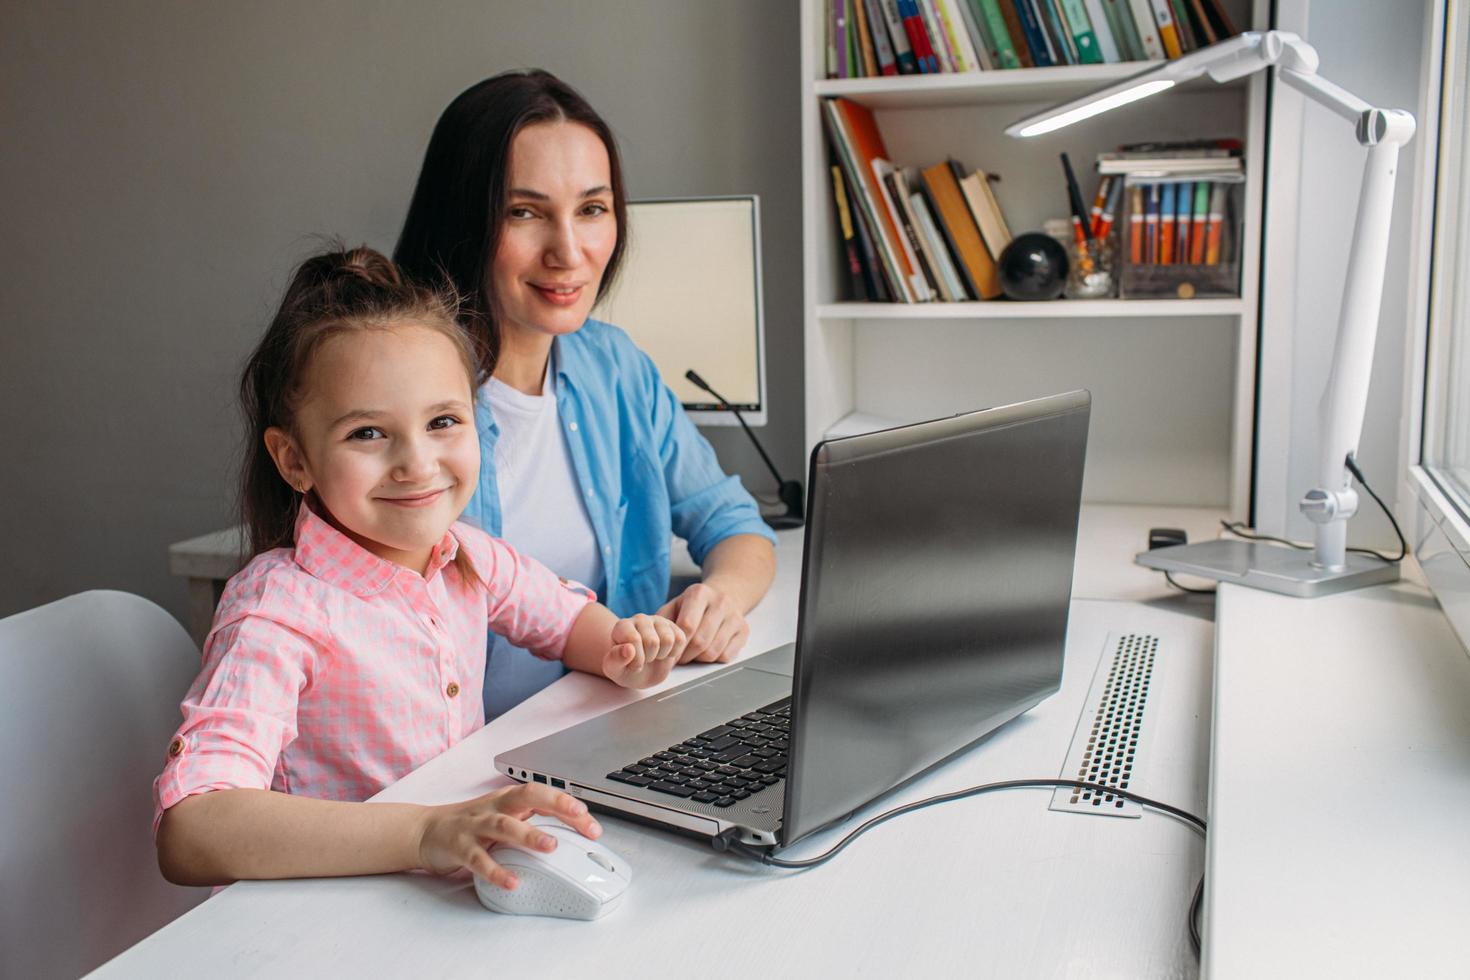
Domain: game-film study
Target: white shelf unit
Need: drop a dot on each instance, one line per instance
(1173, 381)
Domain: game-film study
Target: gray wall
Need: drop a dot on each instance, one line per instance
(166, 163)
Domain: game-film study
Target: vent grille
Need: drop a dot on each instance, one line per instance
(1111, 729)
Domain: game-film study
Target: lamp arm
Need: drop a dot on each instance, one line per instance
(1345, 398)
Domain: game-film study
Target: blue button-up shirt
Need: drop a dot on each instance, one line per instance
(646, 474)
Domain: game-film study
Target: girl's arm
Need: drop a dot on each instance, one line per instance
(227, 835)
(637, 652)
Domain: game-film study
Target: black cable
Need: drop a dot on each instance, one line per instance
(765, 857)
(1168, 577)
(1352, 465)
(1234, 527)
(729, 840)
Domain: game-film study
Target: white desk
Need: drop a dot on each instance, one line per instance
(1340, 788)
(995, 886)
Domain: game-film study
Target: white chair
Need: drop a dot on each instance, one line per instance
(89, 695)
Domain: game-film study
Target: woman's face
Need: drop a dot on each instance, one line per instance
(558, 230)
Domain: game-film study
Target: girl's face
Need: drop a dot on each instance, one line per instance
(385, 436)
(558, 231)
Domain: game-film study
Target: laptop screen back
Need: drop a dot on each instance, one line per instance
(936, 587)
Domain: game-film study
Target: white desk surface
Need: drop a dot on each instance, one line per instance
(994, 886)
(1340, 788)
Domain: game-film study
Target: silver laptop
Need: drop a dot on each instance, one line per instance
(935, 586)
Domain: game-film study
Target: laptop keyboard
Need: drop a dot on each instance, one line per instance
(722, 766)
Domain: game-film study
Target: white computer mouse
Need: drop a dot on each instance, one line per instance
(581, 879)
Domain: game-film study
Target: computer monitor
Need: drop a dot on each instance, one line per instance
(689, 295)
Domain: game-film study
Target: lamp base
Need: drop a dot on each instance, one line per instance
(1271, 567)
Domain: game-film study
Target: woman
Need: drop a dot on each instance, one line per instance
(589, 463)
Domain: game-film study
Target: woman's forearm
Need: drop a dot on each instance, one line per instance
(232, 834)
(742, 567)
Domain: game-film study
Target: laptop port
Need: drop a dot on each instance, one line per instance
(538, 777)
(558, 783)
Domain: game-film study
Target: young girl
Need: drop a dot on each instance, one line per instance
(350, 650)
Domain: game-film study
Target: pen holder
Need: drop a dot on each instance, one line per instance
(1166, 251)
(1090, 273)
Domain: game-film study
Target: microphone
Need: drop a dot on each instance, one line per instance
(788, 490)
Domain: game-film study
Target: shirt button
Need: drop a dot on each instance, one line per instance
(572, 426)
(588, 491)
(452, 690)
(175, 747)
(607, 549)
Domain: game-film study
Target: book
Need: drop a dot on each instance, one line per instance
(943, 56)
(1084, 38)
(882, 46)
(865, 39)
(1041, 52)
(1106, 46)
(935, 243)
(923, 281)
(1125, 32)
(898, 190)
(858, 142)
(1168, 33)
(903, 54)
(1167, 215)
(1183, 215)
(1012, 18)
(963, 235)
(1164, 166)
(1199, 223)
(874, 276)
(1202, 26)
(1148, 31)
(913, 23)
(984, 51)
(953, 23)
(1215, 225)
(986, 212)
(860, 288)
(1050, 15)
(1187, 40)
(854, 66)
(999, 33)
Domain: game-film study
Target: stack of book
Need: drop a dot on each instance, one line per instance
(868, 38)
(911, 235)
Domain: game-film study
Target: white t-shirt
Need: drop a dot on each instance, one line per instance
(542, 511)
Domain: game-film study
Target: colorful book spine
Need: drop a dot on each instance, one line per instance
(1137, 225)
(920, 280)
(1148, 31)
(966, 57)
(947, 270)
(1151, 226)
(1187, 41)
(903, 52)
(913, 24)
(1216, 225)
(1049, 12)
(1199, 223)
(1125, 32)
(994, 24)
(984, 49)
(1009, 11)
(1083, 36)
(1166, 225)
(1183, 213)
(839, 31)
(882, 47)
(1168, 31)
(867, 57)
(1041, 52)
(849, 237)
(943, 57)
(1106, 46)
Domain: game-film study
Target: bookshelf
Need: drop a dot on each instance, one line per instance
(1173, 381)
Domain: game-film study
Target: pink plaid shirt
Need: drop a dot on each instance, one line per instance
(330, 672)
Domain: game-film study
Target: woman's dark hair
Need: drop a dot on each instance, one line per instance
(340, 291)
(455, 219)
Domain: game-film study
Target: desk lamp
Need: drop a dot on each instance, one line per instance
(1329, 567)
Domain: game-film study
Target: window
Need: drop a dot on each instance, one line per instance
(1446, 450)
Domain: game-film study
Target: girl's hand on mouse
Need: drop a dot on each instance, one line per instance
(644, 649)
(459, 835)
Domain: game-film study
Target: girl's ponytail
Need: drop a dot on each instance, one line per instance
(333, 293)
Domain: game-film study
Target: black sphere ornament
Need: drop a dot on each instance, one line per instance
(1032, 267)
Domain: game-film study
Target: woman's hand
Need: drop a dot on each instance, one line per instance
(714, 624)
(644, 650)
(459, 835)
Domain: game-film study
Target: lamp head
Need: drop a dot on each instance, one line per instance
(1223, 62)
